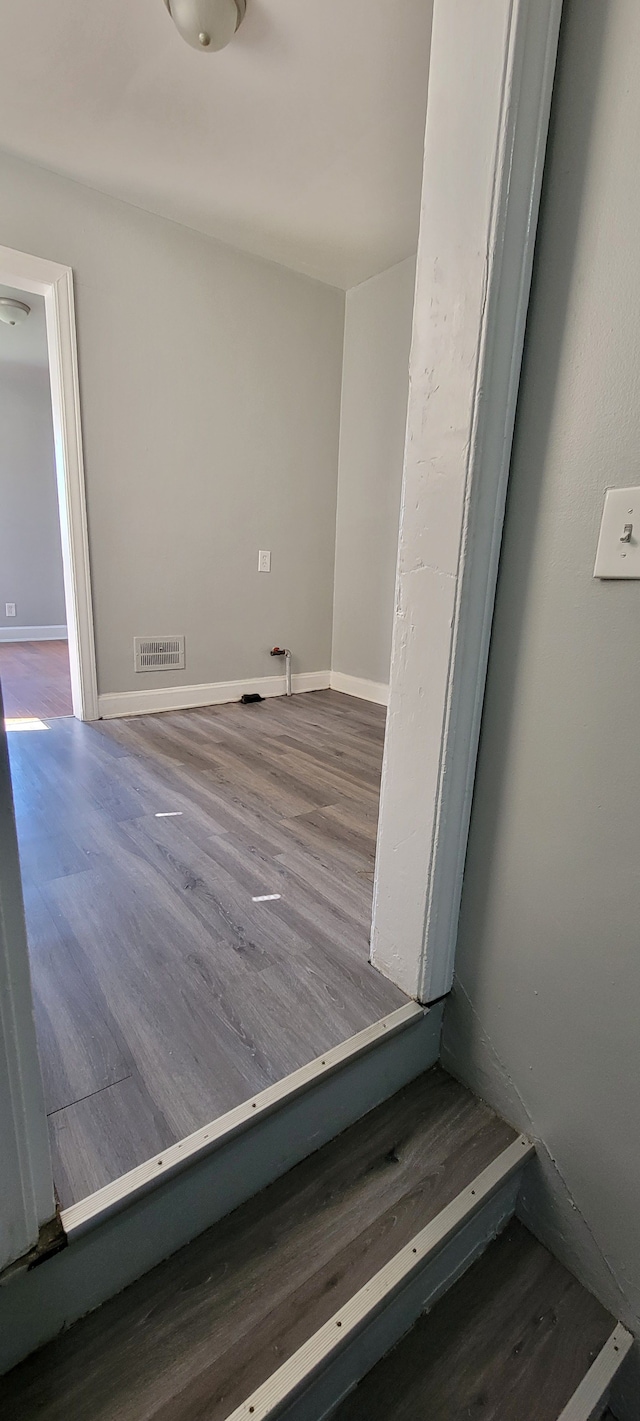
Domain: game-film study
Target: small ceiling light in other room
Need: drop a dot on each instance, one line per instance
(13, 313)
(207, 24)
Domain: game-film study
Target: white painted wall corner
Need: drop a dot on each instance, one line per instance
(358, 686)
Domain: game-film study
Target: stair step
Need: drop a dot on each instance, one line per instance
(325, 1368)
(210, 1325)
(511, 1341)
(121, 1232)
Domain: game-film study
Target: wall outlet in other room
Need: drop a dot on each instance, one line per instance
(9, 609)
(264, 561)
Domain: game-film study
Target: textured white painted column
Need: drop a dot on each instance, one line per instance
(490, 81)
(26, 1182)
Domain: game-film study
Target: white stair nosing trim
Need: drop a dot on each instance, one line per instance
(54, 633)
(293, 1377)
(376, 691)
(591, 1396)
(151, 699)
(122, 1192)
(328, 1386)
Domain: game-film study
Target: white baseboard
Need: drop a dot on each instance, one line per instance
(168, 698)
(33, 633)
(357, 686)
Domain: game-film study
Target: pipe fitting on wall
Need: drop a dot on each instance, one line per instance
(281, 651)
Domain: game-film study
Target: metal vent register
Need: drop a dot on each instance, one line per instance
(158, 653)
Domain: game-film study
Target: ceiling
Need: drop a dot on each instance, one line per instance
(25, 344)
(301, 142)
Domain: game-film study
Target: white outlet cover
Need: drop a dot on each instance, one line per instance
(9, 609)
(264, 561)
(618, 552)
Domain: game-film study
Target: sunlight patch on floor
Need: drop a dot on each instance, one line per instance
(25, 723)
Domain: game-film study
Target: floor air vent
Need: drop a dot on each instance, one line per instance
(158, 653)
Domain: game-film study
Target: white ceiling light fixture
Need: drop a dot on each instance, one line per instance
(13, 312)
(208, 25)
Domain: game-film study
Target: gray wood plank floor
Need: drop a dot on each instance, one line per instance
(193, 1338)
(164, 994)
(510, 1342)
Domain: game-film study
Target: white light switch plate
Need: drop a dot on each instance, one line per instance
(264, 561)
(618, 552)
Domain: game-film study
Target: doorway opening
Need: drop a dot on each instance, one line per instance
(34, 656)
(45, 546)
(197, 877)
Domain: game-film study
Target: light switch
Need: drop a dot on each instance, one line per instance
(618, 552)
(264, 561)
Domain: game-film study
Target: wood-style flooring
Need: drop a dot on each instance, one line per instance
(165, 994)
(510, 1342)
(194, 1337)
(35, 679)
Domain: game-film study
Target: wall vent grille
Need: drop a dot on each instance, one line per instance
(158, 653)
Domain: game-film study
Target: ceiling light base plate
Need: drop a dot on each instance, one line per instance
(13, 312)
(205, 25)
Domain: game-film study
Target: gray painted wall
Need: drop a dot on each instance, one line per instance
(545, 1020)
(210, 388)
(375, 387)
(30, 551)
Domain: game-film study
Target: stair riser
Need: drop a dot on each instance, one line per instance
(327, 1383)
(118, 1248)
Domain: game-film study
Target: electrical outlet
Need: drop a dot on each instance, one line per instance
(264, 562)
(9, 609)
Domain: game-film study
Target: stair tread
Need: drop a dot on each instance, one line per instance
(509, 1342)
(196, 1335)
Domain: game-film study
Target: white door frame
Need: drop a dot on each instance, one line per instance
(55, 283)
(491, 76)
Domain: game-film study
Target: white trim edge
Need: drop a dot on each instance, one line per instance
(292, 1378)
(33, 633)
(358, 686)
(170, 698)
(592, 1394)
(123, 1191)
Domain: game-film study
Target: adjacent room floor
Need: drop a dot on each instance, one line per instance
(35, 679)
(166, 993)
